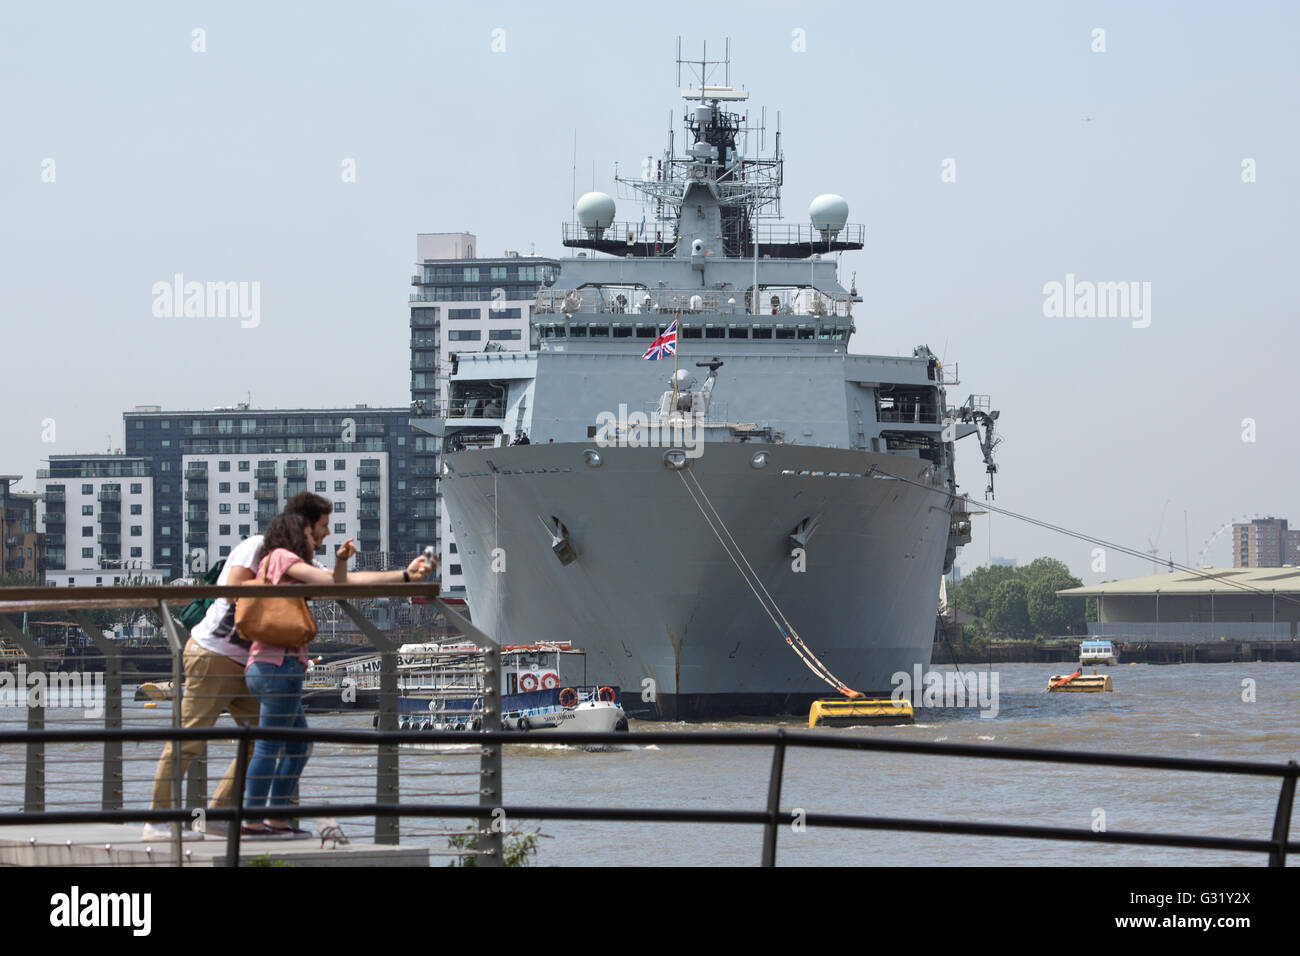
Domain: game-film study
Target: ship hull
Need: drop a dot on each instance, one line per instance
(657, 601)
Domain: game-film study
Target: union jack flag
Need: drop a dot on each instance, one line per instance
(666, 344)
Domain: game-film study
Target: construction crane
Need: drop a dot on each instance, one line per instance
(1154, 540)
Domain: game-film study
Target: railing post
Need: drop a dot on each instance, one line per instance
(489, 795)
(111, 789)
(774, 800)
(489, 840)
(178, 696)
(244, 743)
(34, 771)
(1282, 820)
(387, 761)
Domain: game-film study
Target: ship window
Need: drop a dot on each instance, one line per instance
(712, 333)
(735, 333)
(785, 333)
(805, 333)
(622, 331)
(762, 333)
(578, 332)
(646, 332)
(600, 331)
(689, 333)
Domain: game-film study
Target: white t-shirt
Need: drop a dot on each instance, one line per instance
(216, 632)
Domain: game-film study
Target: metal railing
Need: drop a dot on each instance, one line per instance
(485, 797)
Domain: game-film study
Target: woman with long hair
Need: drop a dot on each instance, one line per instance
(274, 674)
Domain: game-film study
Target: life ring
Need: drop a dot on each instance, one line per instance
(605, 694)
(568, 697)
(527, 682)
(550, 680)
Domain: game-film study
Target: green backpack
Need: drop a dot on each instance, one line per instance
(196, 609)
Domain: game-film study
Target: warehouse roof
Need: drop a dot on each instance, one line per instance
(1199, 581)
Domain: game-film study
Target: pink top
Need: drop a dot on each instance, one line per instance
(273, 569)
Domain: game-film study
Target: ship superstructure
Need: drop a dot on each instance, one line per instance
(681, 518)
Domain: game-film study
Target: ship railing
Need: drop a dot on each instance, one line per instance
(664, 304)
(1187, 632)
(46, 753)
(664, 234)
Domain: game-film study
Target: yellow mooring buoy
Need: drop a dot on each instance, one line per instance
(855, 713)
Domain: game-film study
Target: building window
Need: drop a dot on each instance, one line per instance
(135, 488)
(504, 335)
(320, 464)
(340, 506)
(243, 466)
(87, 510)
(340, 464)
(470, 274)
(137, 530)
(87, 552)
(223, 508)
(223, 487)
(166, 443)
(463, 313)
(340, 528)
(223, 466)
(243, 487)
(504, 313)
(455, 569)
(165, 552)
(165, 531)
(166, 489)
(137, 552)
(320, 487)
(136, 509)
(401, 486)
(340, 486)
(223, 529)
(223, 551)
(244, 530)
(498, 273)
(87, 489)
(465, 335)
(243, 508)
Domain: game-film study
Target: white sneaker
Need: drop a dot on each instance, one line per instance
(162, 832)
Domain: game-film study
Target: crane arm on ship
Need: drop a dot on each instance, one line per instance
(977, 410)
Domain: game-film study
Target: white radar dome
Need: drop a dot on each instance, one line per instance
(595, 212)
(828, 213)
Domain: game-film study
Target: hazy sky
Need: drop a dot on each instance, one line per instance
(1122, 165)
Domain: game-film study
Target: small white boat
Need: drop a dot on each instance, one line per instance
(543, 688)
(1098, 652)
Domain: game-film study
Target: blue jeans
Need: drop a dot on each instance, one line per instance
(276, 765)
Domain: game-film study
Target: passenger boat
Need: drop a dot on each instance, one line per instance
(1098, 652)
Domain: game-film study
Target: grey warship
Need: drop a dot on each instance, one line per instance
(710, 475)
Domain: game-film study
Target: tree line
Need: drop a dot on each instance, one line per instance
(1022, 603)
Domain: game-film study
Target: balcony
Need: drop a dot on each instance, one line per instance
(109, 518)
(110, 540)
(55, 496)
(55, 517)
(295, 469)
(366, 512)
(368, 471)
(292, 488)
(368, 492)
(265, 514)
(55, 560)
(196, 470)
(54, 539)
(197, 492)
(110, 494)
(265, 473)
(197, 539)
(266, 494)
(197, 514)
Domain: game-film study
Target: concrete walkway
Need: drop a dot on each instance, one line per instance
(116, 844)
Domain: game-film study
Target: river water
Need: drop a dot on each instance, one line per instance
(1192, 710)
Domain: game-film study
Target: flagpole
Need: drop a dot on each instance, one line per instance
(677, 341)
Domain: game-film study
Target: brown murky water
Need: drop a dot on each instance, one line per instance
(1193, 710)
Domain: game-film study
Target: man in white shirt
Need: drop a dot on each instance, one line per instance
(215, 656)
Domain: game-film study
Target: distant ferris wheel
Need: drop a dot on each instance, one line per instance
(1203, 556)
